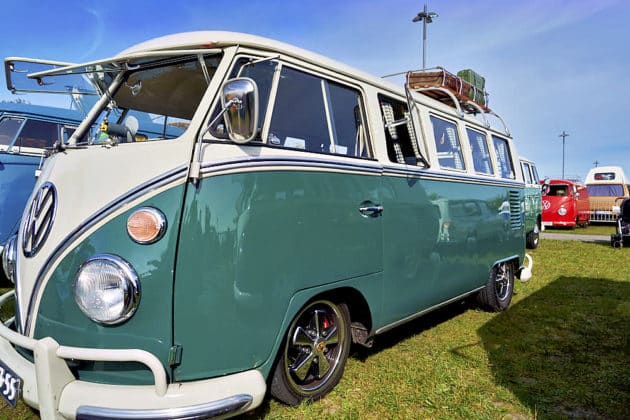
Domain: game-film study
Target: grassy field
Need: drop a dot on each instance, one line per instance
(606, 229)
(562, 350)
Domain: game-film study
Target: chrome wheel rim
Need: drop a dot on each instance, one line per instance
(503, 280)
(314, 346)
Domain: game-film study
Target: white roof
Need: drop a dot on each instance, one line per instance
(201, 41)
(210, 41)
(620, 177)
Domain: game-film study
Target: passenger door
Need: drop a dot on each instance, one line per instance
(410, 220)
(297, 209)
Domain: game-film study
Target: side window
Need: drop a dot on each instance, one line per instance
(8, 129)
(67, 131)
(38, 134)
(526, 173)
(349, 133)
(480, 152)
(299, 114)
(447, 144)
(402, 146)
(317, 115)
(504, 158)
(262, 74)
(535, 174)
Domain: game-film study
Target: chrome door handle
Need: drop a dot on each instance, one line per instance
(370, 210)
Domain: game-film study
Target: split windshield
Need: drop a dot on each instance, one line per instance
(155, 99)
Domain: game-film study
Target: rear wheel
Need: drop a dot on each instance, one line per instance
(314, 353)
(497, 294)
(532, 238)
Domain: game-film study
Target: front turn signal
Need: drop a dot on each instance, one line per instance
(146, 225)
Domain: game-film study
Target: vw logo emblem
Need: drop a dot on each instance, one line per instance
(39, 219)
(546, 204)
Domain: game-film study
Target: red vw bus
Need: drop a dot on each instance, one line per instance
(565, 204)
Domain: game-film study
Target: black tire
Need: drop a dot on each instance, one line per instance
(314, 353)
(497, 294)
(532, 239)
(4, 281)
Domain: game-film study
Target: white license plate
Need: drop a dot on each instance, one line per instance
(10, 384)
(547, 223)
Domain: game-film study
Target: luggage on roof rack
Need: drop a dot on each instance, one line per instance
(467, 87)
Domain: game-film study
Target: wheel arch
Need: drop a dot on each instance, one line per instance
(360, 312)
(515, 260)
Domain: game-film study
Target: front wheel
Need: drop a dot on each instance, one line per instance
(497, 294)
(314, 353)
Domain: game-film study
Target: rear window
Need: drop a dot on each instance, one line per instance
(607, 190)
(604, 176)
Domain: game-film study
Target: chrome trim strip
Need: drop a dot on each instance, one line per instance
(164, 179)
(287, 164)
(429, 174)
(418, 314)
(209, 169)
(201, 411)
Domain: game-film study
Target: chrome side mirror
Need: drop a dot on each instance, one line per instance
(239, 98)
(544, 189)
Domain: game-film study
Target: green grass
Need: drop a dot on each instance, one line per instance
(606, 229)
(561, 350)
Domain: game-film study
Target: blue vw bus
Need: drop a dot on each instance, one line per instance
(25, 132)
(298, 211)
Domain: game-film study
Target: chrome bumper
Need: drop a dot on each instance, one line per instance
(50, 387)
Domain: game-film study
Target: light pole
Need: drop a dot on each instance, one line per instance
(564, 136)
(426, 17)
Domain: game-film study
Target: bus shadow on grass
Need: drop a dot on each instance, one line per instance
(564, 351)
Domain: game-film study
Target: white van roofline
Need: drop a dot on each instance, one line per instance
(221, 39)
(617, 170)
(209, 41)
(201, 41)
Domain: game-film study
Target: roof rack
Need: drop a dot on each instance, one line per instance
(452, 90)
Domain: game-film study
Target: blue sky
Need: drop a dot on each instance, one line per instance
(549, 65)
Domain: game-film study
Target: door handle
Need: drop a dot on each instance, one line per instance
(369, 209)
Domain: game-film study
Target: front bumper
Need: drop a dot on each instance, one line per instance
(49, 386)
(560, 223)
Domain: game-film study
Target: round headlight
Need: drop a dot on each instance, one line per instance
(9, 255)
(562, 211)
(107, 289)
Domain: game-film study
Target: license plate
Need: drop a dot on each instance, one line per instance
(547, 223)
(10, 384)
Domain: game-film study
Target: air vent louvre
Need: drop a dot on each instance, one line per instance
(516, 210)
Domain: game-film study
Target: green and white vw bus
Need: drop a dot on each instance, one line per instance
(533, 203)
(300, 208)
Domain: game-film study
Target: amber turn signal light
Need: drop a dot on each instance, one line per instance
(146, 225)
